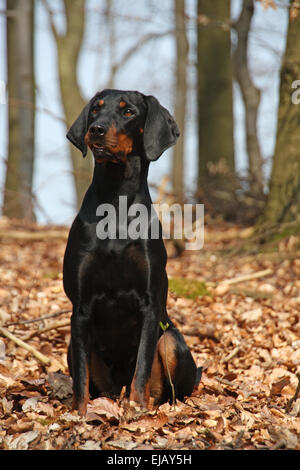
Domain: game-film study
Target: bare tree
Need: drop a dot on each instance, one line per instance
(182, 49)
(214, 70)
(68, 49)
(251, 97)
(283, 204)
(18, 201)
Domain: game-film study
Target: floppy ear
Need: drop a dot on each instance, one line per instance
(160, 130)
(79, 128)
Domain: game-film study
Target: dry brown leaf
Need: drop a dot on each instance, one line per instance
(147, 423)
(20, 427)
(103, 407)
(124, 444)
(278, 386)
(255, 328)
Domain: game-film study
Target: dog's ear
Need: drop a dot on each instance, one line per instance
(160, 130)
(79, 128)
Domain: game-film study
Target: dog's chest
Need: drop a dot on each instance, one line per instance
(115, 271)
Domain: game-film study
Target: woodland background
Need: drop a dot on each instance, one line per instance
(237, 300)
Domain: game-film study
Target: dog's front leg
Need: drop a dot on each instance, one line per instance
(140, 385)
(79, 361)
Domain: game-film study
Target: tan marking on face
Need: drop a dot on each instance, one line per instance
(87, 140)
(101, 102)
(118, 142)
(122, 104)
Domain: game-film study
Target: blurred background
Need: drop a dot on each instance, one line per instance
(225, 69)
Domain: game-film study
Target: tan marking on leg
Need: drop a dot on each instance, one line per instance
(165, 363)
(142, 399)
(156, 379)
(82, 405)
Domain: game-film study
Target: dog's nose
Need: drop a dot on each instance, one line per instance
(97, 130)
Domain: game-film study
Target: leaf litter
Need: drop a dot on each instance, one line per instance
(245, 335)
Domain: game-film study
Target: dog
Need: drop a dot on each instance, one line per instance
(118, 285)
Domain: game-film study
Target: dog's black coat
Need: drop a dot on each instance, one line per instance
(118, 287)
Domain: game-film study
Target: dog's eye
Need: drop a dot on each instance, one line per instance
(95, 110)
(128, 112)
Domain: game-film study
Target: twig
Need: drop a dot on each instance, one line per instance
(34, 320)
(226, 382)
(27, 235)
(246, 277)
(45, 360)
(140, 43)
(249, 277)
(294, 398)
(47, 328)
(28, 105)
(231, 355)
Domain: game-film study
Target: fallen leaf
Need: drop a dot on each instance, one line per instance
(90, 445)
(103, 407)
(123, 444)
(30, 404)
(21, 442)
(252, 315)
(146, 423)
(60, 384)
(21, 426)
(278, 386)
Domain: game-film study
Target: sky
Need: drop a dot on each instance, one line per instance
(150, 71)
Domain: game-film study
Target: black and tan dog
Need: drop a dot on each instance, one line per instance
(118, 287)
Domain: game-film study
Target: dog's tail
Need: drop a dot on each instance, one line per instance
(198, 376)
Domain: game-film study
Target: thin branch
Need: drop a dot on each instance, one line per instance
(34, 320)
(41, 357)
(53, 326)
(37, 236)
(294, 398)
(51, 19)
(28, 105)
(246, 277)
(132, 50)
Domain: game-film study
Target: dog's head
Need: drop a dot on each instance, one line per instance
(115, 124)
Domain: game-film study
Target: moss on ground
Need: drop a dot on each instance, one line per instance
(189, 288)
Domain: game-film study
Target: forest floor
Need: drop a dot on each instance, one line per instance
(245, 335)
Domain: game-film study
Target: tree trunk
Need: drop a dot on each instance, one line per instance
(182, 49)
(18, 200)
(251, 98)
(214, 69)
(68, 50)
(283, 204)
